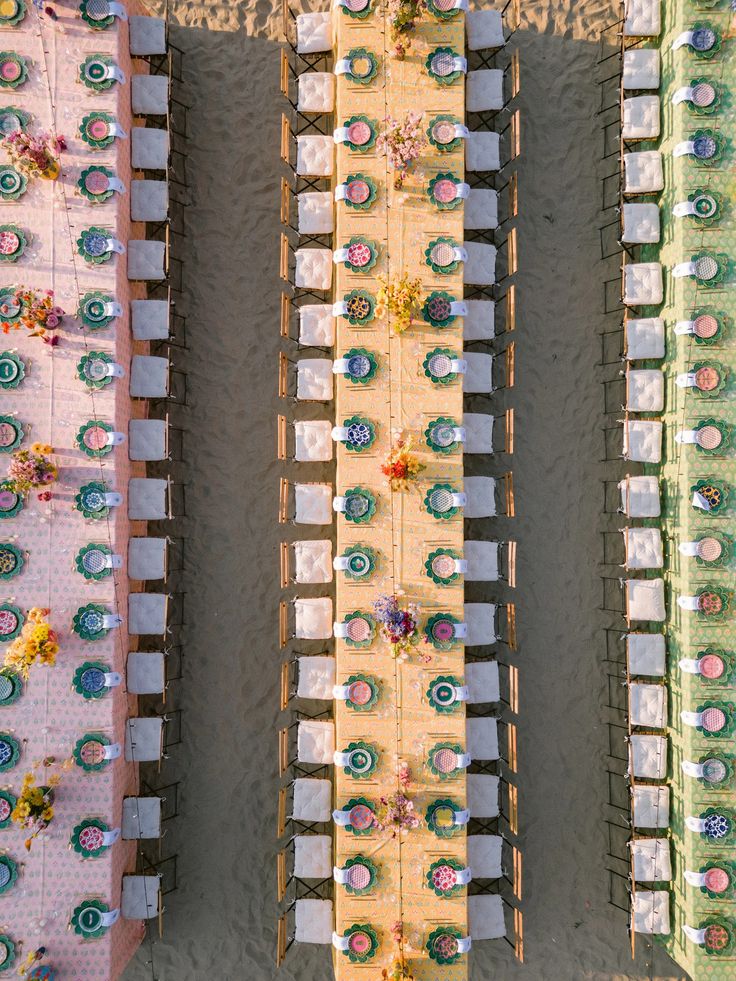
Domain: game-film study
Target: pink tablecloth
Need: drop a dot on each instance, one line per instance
(52, 403)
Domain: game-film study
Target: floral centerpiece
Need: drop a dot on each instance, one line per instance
(35, 155)
(396, 813)
(399, 299)
(33, 309)
(36, 642)
(399, 970)
(402, 18)
(31, 469)
(398, 624)
(34, 809)
(402, 466)
(402, 141)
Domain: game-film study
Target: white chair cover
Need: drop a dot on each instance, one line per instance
(315, 741)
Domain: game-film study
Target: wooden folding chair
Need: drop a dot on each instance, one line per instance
(510, 625)
(512, 199)
(283, 500)
(285, 328)
(507, 558)
(515, 72)
(519, 935)
(284, 250)
(283, 624)
(287, 137)
(508, 431)
(512, 701)
(512, 761)
(507, 504)
(508, 300)
(281, 812)
(285, 571)
(285, 685)
(516, 872)
(284, 755)
(281, 437)
(282, 939)
(283, 375)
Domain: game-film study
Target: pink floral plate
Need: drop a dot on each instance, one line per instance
(361, 817)
(359, 254)
(711, 666)
(9, 243)
(10, 70)
(360, 693)
(445, 191)
(95, 438)
(91, 838)
(359, 132)
(357, 192)
(444, 877)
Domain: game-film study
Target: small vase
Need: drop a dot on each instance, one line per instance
(52, 171)
(398, 182)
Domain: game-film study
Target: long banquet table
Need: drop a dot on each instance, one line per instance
(400, 399)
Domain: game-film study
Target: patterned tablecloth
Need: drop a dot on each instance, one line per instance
(52, 403)
(402, 726)
(688, 634)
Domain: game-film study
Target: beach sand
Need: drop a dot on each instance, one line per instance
(221, 921)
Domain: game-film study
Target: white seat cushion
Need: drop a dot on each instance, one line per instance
(313, 504)
(645, 599)
(643, 440)
(312, 799)
(313, 920)
(315, 741)
(479, 322)
(478, 432)
(140, 897)
(147, 36)
(313, 32)
(149, 320)
(147, 439)
(480, 619)
(316, 677)
(479, 269)
(316, 92)
(644, 390)
(483, 683)
(482, 790)
(648, 705)
(482, 151)
(481, 497)
(313, 441)
(145, 672)
(641, 68)
(646, 654)
(149, 148)
(316, 213)
(484, 90)
(313, 617)
(482, 559)
(652, 911)
(146, 260)
(485, 856)
(147, 613)
(315, 155)
(144, 739)
(645, 338)
(316, 325)
(651, 859)
(643, 284)
(641, 118)
(650, 806)
(484, 29)
(643, 172)
(649, 757)
(485, 917)
(641, 223)
(146, 558)
(149, 200)
(313, 560)
(149, 95)
(642, 18)
(314, 379)
(141, 818)
(149, 377)
(643, 548)
(478, 377)
(147, 499)
(640, 497)
(313, 269)
(313, 857)
(481, 209)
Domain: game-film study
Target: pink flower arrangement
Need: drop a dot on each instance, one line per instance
(402, 16)
(32, 468)
(396, 813)
(38, 315)
(402, 141)
(33, 154)
(398, 625)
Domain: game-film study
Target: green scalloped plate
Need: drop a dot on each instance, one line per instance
(365, 249)
(443, 180)
(89, 561)
(432, 135)
(437, 817)
(429, 64)
(442, 945)
(433, 265)
(8, 873)
(11, 503)
(729, 711)
(364, 508)
(447, 379)
(90, 500)
(722, 262)
(89, 438)
(441, 696)
(91, 367)
(362, 562)
(13, 119)
(358, 13)
(725, 597)
(87, 127)
(11, 434)
(370, 142)
(89, 242)
(730, 869)
(96, 24)
(437, 301)
(365, 78)
(11, 687)
(87, 919)
(356, 185)
(11, 561)
(95, 197)
(361, 802)
(87, 754)
(715, 104)
(358, 301)
(441, 644)
(443, 428)
(717, 380)
(91, 72)
(12, 77)
(366, 760)
(432, 881)
(13, 19)
(13, 184)
(363, 427)
(440, 515)
(9, 752)
(364, 680)
(91, 310)
(367, 641)
(714, 487)
(85, 619)
(90, 832)
(370, 373)
(7, 805)
(720, 141)
(12, 370)
(429, 566)
(432, 760)
(367, 934)
(88, 682)
(7, 948)
(365, 863)
(12, 619)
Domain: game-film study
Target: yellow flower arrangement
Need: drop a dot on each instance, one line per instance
(34, 807)
(37, 642)
(401, 466)
(43, 448)
(399, 299)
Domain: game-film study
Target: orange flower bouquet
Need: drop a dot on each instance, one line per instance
(37, 642)
(402, 466)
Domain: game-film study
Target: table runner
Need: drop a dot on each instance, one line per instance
(400, 399)
(52, 403)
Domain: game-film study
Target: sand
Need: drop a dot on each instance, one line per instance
(221, 922)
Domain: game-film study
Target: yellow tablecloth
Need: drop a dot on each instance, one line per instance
(403, 726)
